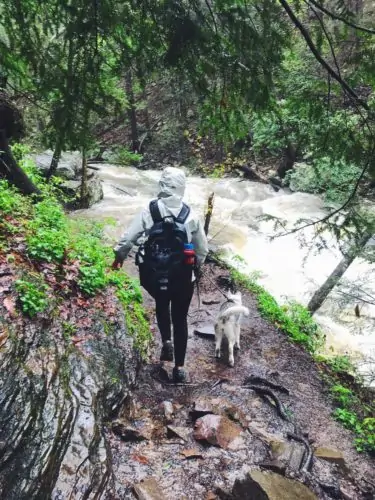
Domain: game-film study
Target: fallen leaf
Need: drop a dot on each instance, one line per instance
(210, 496)
(141, 459)
(192, 453)
(10, 306)
(3, 338)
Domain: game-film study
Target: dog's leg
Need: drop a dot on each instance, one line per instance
(231, 342)
(237, 329)
(218, 338)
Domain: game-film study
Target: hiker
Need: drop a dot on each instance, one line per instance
(168, 262)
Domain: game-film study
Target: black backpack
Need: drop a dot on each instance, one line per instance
(161, 258)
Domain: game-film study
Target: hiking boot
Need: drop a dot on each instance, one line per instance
(167, 351)
(179, 375)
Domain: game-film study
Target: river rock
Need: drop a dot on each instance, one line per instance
(270, 486)
(94, 190)
(148, 489)
(331, 455)
(69, 167)
(216, 430)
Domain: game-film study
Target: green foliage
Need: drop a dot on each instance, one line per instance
(293, 319)
(32, 296)
(333, 178)
(125, 157)
(341, 394)
(340, 363)
(11, 201)
(77, 245)
(48, 237)
(366, 435)
(130, 296)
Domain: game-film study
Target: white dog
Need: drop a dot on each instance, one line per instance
(228, 324)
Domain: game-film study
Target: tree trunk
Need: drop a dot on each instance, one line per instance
(12, 172)
(322, 293)
(210, 207)
(55, 159)
(132, 112)
(84, 180)
(288, 160)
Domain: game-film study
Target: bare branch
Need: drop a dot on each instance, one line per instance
(337, 17)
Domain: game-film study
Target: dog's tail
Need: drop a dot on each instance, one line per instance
(234, 310)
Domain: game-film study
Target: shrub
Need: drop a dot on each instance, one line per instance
(32, 295)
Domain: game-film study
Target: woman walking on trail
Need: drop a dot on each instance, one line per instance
(175, 249)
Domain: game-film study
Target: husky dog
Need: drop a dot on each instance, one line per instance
(228, 324)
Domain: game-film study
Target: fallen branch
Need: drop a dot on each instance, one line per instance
(263, 391)
(309, 454)
(253, 379)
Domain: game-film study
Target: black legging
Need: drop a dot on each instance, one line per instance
(179, 301)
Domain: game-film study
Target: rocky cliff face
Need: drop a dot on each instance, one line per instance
(62, 376)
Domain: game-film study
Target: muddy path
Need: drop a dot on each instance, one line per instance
(171, 462)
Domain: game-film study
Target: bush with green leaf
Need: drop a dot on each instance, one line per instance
(125, 157)
(333, 178)
(32, 295)
(48, 238)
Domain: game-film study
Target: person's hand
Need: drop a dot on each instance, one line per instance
(117, 264)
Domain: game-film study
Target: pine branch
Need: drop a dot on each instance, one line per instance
(319, 58)
(341, 207)
(337, 17)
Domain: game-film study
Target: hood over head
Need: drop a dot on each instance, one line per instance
(172, 186)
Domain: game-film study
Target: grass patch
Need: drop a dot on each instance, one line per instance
(293, 318)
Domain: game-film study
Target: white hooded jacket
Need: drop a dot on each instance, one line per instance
(171, 192)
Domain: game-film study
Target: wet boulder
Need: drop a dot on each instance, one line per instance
(70, 170)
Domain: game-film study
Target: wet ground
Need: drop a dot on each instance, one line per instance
(153, 451)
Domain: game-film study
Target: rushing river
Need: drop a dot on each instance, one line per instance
(284, 266)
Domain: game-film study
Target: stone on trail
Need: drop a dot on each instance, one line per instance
(216, 430)
(193, 453)
(140, 430)
(258, 485)
(148, 489)
(207, 330)
(201, 408)
(180, 432)
(288, 452)
(330, 455)
(168, 411)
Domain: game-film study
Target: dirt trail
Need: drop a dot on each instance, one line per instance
(265, 352)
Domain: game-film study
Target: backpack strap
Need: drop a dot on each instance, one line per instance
(184, 214)
(155, 212)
